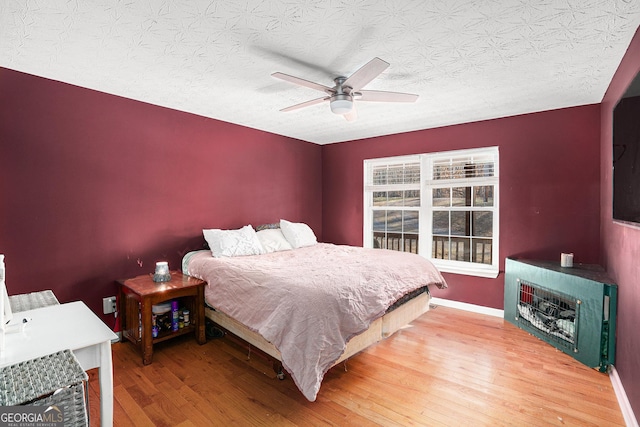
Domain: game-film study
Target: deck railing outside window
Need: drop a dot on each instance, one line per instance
(462, 249)
(396, 241)
(454, 248)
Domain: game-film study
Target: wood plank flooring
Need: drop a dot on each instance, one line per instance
(449, 368)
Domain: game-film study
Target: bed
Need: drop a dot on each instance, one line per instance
(313, 306)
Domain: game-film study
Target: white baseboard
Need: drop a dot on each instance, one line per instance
(468, 307)
(625, 406)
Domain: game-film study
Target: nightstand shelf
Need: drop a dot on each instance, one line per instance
(137, 298)
(163, 336)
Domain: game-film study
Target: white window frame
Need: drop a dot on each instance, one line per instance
(370, 188)
(426, 209)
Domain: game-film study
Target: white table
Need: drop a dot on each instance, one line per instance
(71, 326)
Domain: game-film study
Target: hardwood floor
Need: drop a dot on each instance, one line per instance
(449, 368)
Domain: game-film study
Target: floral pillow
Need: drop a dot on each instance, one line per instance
(230, 243)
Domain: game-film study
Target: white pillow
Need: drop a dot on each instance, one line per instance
(298, 234)
(229, 243)
(273, 240)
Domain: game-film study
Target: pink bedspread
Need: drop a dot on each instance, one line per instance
(310, 301)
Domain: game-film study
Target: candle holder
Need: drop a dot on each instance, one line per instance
(566, 260)
(162, 272)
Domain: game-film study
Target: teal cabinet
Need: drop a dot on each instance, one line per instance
(571, 308)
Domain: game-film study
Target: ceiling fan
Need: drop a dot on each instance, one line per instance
(341, 96)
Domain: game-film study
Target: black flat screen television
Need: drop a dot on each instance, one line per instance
(626, 155)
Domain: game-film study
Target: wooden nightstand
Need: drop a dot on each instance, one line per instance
(138, 295)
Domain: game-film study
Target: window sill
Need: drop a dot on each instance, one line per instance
(490, 272)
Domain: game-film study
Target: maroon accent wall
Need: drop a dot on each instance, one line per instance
(94, 187)
(549, 187)
(621, 243)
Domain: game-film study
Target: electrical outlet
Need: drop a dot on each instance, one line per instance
(109, 305)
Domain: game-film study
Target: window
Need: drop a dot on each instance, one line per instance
(443, 206)
(396, 206)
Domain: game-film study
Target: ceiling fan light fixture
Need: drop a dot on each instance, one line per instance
(341, 104)
(346, 89)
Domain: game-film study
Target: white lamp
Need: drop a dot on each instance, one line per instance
(341, 103)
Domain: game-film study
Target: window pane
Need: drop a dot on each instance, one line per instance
(460, 224)
(379, 175)
(379, 239)
(460, 249)
(483, 196)
(461, 196)
(412, 198)
(379, 198)
(483, 224)
(379, 220)
(394, 221)
(482, 250)
(395, 174)
(440, 171)
(411, 243)
(412, 173)
(394, 241)
(483, 169)
(395, 198)
(410, 222)
(441, 197)
(440, 247)
(457, 172)
(441, 223)
(456, 169)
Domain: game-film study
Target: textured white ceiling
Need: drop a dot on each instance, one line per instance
(467, 59)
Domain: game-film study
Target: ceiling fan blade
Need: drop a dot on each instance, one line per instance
(302, 82)
(306, 104)
(366, 73)
(384, 96)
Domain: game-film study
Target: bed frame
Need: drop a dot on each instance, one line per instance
(380, 329)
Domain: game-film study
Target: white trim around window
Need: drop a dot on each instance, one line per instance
(443, 206)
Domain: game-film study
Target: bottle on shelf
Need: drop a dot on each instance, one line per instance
(154, 326)
(174, 316)
(185, 315)
(180, 319)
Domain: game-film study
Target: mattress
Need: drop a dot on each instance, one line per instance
(310, 302)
